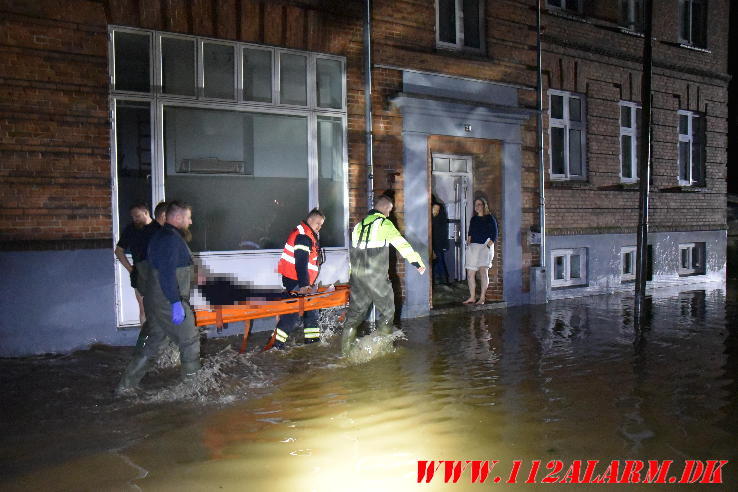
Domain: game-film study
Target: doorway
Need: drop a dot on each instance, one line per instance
(451, 187)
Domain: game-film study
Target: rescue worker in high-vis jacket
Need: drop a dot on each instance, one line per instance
(299, 266)
(369, 280)
(172, 276)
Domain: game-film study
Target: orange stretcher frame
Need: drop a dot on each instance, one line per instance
(247, 311)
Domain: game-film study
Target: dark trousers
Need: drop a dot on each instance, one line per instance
(439, 265)
(287, 322)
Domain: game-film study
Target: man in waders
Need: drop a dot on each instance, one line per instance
(135, 240)
(299, 265)
(172, 275)
(369, 280)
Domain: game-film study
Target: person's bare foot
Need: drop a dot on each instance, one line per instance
(480, 302)
(469, 301)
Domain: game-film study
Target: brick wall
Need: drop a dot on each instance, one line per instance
(54, 112)
(591, 56)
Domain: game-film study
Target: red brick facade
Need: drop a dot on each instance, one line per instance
(590, 55)
(55, 161)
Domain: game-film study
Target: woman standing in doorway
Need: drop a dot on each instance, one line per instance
(480, 249)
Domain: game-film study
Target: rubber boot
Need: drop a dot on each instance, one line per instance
(347, 339)
(312, 335)
(189, 369)
(384, 327)
(133, 374)
(280, 341)
(142, 337)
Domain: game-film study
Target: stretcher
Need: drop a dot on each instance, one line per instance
(249, 310)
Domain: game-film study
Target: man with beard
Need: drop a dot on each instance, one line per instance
(166, 299)
(134, 240)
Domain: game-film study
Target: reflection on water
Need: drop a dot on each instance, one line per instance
(570, 380)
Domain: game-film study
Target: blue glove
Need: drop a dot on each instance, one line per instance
(178, 313)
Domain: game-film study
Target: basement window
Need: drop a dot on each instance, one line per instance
(691, 259)
(569, 267)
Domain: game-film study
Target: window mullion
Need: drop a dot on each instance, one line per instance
(691, 143)
(458, 5)
(313, 171)
(200, 92)
(157, 154)
(567, 125)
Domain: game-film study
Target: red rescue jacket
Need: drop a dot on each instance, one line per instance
(286, 265)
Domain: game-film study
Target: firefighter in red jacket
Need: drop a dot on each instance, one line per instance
(299, 267)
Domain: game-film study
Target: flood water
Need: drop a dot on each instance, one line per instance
(566, 381)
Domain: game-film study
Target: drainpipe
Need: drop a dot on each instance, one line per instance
(539, 123)
(644, 164)
(368, 120)
(368, 104)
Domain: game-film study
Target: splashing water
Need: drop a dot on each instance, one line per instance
(168, 358)
(330, 320)
(224, 377)
(373, 346)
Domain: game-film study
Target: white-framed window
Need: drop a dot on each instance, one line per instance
(627, 263)
(691, 157)
(631, 15)
(693, 22)
(252, 136)
(569, 267)
(692, 259)
(567, 135)
(573, 6)
(630, 125)
(460, 24)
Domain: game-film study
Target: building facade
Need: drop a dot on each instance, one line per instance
(255, 111)
(593, 64)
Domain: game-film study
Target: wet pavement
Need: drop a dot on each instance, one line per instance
(566, 381)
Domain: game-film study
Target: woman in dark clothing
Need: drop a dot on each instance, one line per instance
(439, 235)
(480, 249)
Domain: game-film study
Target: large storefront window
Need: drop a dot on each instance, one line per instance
(252, 136)
(245, 174)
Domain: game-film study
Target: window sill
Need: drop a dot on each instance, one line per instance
(568, 183)
(565, 14)
(629, 32)
(468, 53)
(696, 188)
(687, 46)
(568, 287)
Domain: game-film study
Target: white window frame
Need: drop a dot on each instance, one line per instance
(200, 68)
(459, 45)
(689, 137)
(158, 100)
(632, 132)
(634, 21)
(631, 250)
(567, 281)
(567, 124)
(577, 10)
(688, 4)
(692, 249)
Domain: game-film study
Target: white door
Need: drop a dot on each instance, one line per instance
(452, 185)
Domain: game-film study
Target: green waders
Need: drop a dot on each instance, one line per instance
(143, 269)
(159, 319)
(370, 284)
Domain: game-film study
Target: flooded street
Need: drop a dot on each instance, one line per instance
(565, 381)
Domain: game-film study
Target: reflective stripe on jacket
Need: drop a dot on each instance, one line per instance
(286, 265)
(377, 231)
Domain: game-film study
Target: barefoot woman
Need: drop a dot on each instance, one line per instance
(480, 249)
